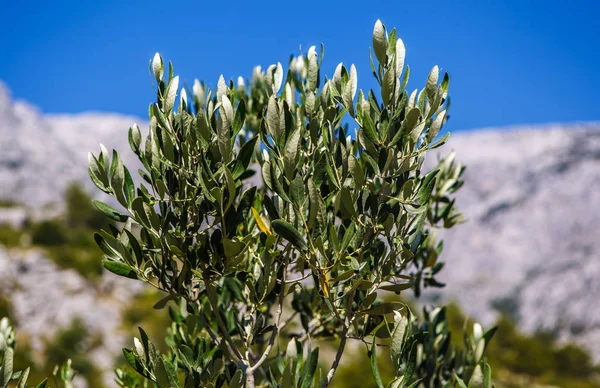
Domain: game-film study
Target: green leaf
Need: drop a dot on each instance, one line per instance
(110, 212)
(396, 287)
(290, 156)
(412, 119)
(171, 95)
(273, 119)
(231, 190)
(436, 125)
(380, 42)
(316, 204)
(108, 249)
(388, 85)
(119, 268)
(400, 56)
(440, 142)
(158, 67)
(288, 232)
(238, 120)
(245, 204)
(342, 277)
(276, 182)
(97, 173)
(22, 383)
(398, 337)
(129, 187)
(460, 382)
(432, 81)
(369, 128)
(42, 384)
(297, 194)
(347, 202)
(117, 178)
(374, 366)
(384, 308)
(171, 373)
(312, 81)
(310, 368)
(7, 365)
(135, 138)
(237, 380)
(477, 378)
(244, 157)
(487, 376)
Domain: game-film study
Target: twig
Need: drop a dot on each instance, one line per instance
(213, 304)
(275, 333)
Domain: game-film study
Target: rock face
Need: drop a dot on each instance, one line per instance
(41, 154)
(45, 297)
(531, 197)
(530, 246)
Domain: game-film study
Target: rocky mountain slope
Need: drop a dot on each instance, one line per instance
(531, 197)
(530, 246)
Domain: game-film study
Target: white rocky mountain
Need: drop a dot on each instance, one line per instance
(531, 197)
(40, 154)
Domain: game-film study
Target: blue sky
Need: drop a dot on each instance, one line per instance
(510, 62)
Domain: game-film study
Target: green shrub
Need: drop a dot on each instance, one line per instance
(50, 233)
(10, 236)
(344, 216)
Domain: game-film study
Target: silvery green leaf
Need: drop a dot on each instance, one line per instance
(478, 350)
(22, 383)
(388, 85)
(277, 78)
(477, 332)
(400, 56)
(379, 42)
(135, 138)
(310, 103)
(224, 137)
(353, 80)
(374, 366)
(221, 88)
(226, 112)
(288, 232)
(7, 366)
(436, 125)
(171, 94)
(412, 99)
(139, 349)
(117, 178)
(257, 75)
(313, 70)
(270, 78)
(104, 156)
(289, 95)
(337, 77)
(405, 78)
(198, 90)
(398, 336)
(120, 269)
(432, 81)
(183, 100)
(273, 119)
(158, 67)
(476, 380)
(290, 156)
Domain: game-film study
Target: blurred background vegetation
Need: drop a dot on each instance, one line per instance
(517, 359)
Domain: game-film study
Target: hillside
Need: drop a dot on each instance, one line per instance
(531, 197)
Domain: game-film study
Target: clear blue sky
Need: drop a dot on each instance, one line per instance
(510, 62)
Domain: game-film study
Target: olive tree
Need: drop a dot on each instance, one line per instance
(286, 210)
